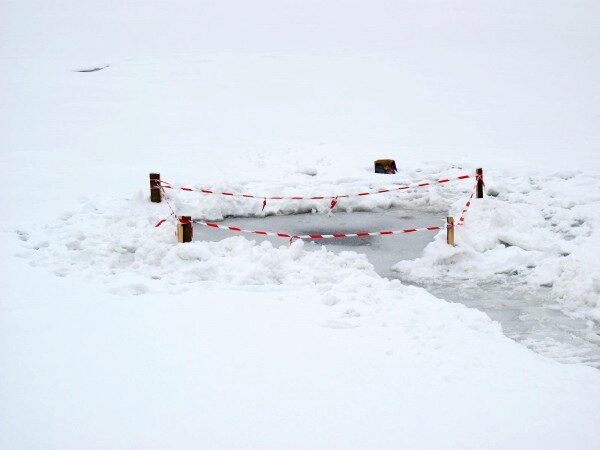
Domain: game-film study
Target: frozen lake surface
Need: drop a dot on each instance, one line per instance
(527, 315)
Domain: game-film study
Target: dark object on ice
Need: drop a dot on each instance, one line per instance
(185, 229)
(155, 192)
(91, 69)
(480, 183)
(385, 166)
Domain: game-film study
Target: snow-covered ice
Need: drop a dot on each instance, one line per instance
(540, 228)
(114, 336)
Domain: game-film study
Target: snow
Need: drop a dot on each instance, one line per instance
(539, 227)
(112, 335)
(300, 344)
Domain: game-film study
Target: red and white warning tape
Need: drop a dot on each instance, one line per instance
(463, 213)
(333, 198)
(315, 236)
(293, 236)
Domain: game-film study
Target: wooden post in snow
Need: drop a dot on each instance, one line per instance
(450, 231)
(479, 178)
(155, 194)
(185, 229)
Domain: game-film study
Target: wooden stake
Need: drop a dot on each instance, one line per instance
(450, 231)
(479, 177)
(185, 230)
(155, 194)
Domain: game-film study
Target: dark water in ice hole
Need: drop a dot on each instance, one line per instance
(528, 315)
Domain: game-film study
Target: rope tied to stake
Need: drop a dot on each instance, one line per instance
(479, 178)
(185, 232)
(180, 219)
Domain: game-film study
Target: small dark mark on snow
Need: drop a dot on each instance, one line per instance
(91, 69)
(23, 236)
(577, 223)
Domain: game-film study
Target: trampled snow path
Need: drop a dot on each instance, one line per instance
(527, 314)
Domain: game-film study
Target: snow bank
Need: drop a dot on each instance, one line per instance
(117, 244)
(240, 335)
(541, 229)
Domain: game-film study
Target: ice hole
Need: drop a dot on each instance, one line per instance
(382, 251)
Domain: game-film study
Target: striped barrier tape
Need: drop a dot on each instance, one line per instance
(463, 213)
(315, 236)
(333, 198)
(290, 235)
